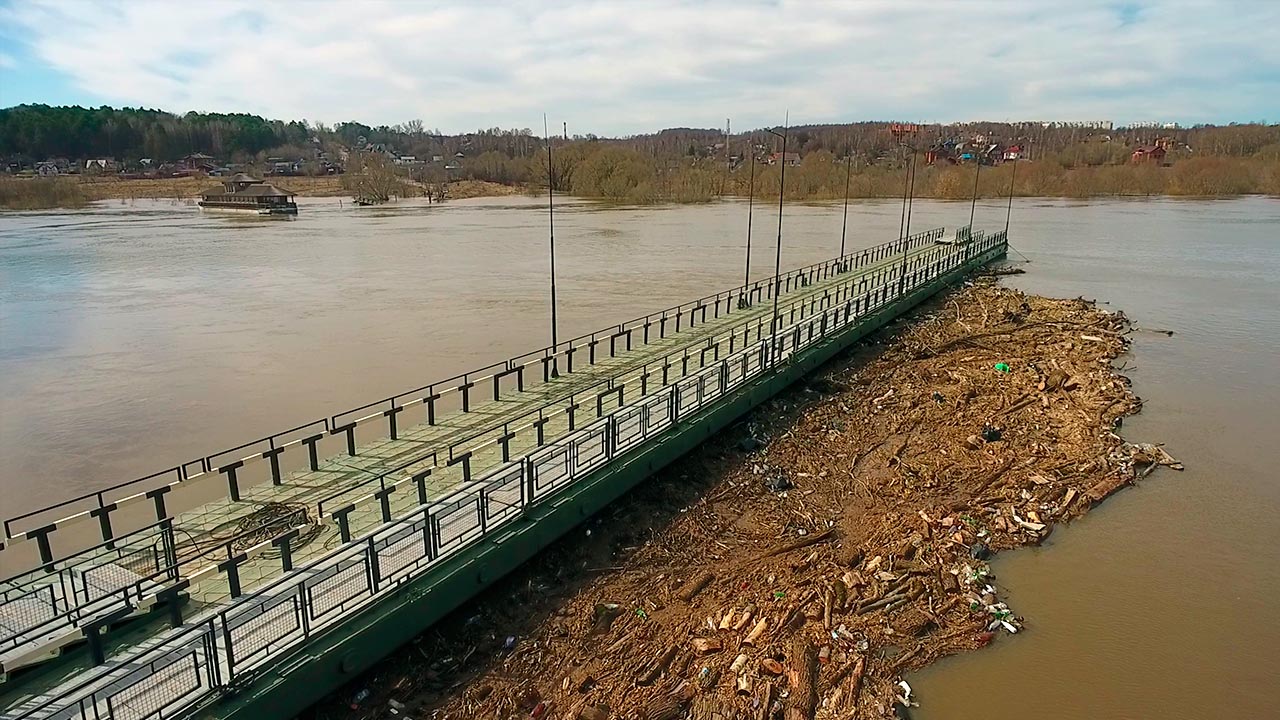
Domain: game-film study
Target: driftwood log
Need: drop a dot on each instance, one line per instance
(803, 542)
(726, 620)
(667, 707)
(1105, 487)
(765, 699)
(753, 637)
(992, 477)
(855, 684)
(655, 668)
(804, 680)
(695, 586)
(706, 646)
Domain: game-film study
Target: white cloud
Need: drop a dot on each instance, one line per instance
(7, 62)
(626, 67)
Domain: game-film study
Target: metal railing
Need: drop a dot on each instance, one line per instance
(225, 649)
(38, 524)
(126, 575)
(67, 611)
(570, 403)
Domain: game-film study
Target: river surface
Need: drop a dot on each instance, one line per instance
(134, 336)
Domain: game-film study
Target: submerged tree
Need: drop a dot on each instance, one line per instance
(371, 177)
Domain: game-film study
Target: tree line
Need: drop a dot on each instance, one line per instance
(676, 164)
(41, 131)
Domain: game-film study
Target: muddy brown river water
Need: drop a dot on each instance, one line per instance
(136, 336)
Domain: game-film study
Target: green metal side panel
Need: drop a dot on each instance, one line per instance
(333, 659)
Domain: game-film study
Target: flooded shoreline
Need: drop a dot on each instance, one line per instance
(132, 337)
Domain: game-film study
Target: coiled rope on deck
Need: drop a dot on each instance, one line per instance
(272, 519)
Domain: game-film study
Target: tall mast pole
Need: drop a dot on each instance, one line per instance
(844, 223)
(906, 231)
(777, 263)
(973, 204)
(1013, 171)
(751, 193)
(551, 225)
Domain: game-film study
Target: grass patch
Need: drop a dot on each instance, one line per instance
(40, 193)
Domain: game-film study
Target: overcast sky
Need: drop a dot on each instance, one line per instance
(624, 67)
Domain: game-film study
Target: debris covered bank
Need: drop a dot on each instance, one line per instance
(799, 564)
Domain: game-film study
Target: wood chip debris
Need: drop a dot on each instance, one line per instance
(915, 462)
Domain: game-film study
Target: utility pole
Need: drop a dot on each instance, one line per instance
(906, 232)
(906, 181)
(1013, 171)
(751, 193)
(901, 131)
(973, 204)
(551, 220)
(728, 156)
(844, 224)
(777, 263)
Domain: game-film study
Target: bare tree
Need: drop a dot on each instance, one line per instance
(371, 177)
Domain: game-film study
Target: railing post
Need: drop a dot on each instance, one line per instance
(169, 547)
(272, 456)
(375, 571)
(465, 460)
(391, 421)
(505, 441)
(527, 485)
(465, 389)
(231, 566)
(312, 455)
(283, 543)
(384, 501)
(420, 479)
(233, 486)
(157, 497)
(103, 513)
(430, 401)
(344, 523)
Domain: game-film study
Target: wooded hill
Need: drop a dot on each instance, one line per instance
(39, 132)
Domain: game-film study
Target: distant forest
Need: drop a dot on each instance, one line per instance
(680, 164)
(39, 132)
(42, 131)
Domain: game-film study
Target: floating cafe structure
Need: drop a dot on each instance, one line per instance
(242, 193)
